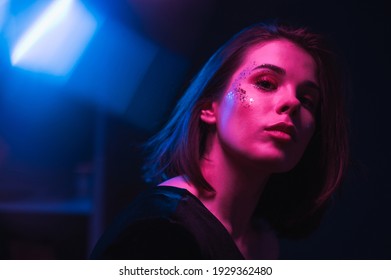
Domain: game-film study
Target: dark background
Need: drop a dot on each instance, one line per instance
(45, 212)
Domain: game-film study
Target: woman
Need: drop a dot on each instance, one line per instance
(255, 148)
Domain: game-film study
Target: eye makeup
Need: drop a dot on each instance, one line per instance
(265, 82)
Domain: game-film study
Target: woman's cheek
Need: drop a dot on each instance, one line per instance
(239, 95)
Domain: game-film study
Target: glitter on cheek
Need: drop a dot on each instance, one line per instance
(243, 97)
(237, 92)
(230, 95)
(242, 76)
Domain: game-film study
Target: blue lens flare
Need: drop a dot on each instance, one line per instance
(4, 4)
(56, 40)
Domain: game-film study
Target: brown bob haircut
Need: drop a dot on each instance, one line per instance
(292, 202)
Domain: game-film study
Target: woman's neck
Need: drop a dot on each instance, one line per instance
(238, 187)
(237, 191)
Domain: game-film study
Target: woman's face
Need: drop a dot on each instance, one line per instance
(267, 113)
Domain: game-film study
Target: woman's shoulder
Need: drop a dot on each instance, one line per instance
(152, 238)
(148, 229)
(154, 202)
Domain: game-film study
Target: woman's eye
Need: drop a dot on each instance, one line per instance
(308, 102)
(266, 84)
(309, 97)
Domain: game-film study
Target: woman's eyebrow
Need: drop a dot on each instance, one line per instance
(272, 67)
(312, 85)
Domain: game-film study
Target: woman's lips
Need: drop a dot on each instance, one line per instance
(282, 131)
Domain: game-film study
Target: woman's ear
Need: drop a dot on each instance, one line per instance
(208, 114)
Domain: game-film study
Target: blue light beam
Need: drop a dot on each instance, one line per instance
(54, 43)
(3, 11)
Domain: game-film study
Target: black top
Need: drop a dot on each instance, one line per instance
(166, 223)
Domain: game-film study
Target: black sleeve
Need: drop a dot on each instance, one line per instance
(157, 239)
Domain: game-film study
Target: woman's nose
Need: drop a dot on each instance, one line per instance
(288, 103)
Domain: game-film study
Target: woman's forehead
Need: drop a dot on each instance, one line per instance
(278, 51)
